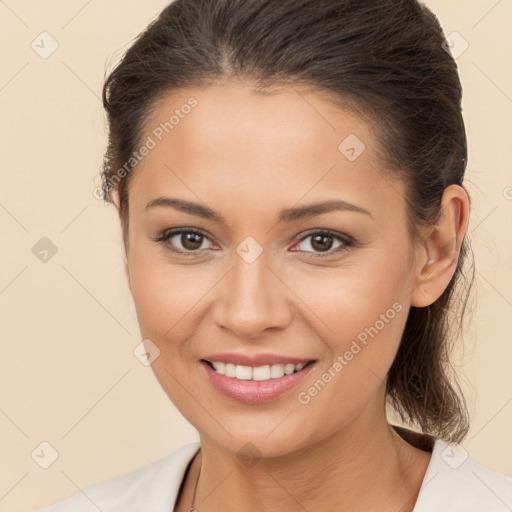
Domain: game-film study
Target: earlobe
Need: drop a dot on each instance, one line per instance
(441, 248)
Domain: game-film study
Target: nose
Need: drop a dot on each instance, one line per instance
(252, 300)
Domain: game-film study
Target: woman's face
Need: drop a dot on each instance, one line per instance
(244, 170)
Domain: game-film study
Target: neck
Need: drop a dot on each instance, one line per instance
(365, 466)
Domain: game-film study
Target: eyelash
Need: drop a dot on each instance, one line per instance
(347, 242)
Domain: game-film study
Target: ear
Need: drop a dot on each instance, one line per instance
(439, 251)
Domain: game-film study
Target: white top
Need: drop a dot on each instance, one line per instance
(452, 483)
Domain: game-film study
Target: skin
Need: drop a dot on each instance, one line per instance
(247, 156)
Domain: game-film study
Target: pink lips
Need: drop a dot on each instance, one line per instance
(254, 392)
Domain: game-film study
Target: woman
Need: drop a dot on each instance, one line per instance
(289, 180)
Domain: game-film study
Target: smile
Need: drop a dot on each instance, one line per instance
(266, 372)
(255, 384)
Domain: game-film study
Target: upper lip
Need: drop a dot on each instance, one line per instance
(254, 359)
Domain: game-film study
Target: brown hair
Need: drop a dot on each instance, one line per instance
(384, 59)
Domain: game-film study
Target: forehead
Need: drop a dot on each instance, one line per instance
(287, 120)
(229, 139)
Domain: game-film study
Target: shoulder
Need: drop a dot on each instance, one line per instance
(455, 483)
(153, 487)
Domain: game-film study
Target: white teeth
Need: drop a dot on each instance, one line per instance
(219, 367)
(243, 372)
(289, 368)
(267, 372)
(229, 370)
(276, 371)
(261, 373)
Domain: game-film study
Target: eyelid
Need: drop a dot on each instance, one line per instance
(346, 240)
(166, 234)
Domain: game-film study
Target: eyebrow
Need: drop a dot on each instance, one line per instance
(286, 215)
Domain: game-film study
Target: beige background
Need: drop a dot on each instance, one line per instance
(68, 375)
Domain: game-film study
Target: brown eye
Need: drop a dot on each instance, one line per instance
(324, 242)
(321, 242)
(183, 241)
(191, 241)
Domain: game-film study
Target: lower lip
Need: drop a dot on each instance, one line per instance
(254, 391)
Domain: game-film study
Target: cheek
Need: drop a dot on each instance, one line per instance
(165, 295)
(353, 296)
(366, 340)
(362, 350)
(360, 311)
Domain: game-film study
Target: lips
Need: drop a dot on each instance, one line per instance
(253, 392)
